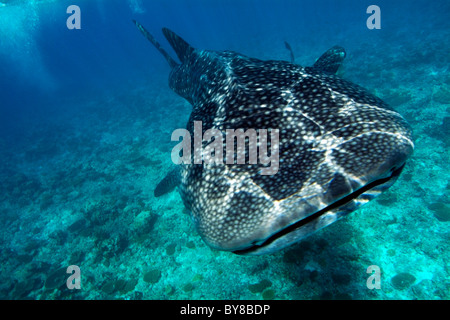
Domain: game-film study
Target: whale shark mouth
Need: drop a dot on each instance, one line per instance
(337, 209)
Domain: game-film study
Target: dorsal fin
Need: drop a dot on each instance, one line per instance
(181, 47)
(331, 60)
(152, 39)
(288, 46)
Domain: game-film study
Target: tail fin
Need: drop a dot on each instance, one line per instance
(331, 60)
(181, 47)
(152, 39)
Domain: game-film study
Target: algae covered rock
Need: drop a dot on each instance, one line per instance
(188, 287)
(152, 276)
(170, 249)
(441, 211)
(129, 286)
(56, 279)
(260, 286)
(190, 244)
(442, 95)
(402, 281)
(269, 294)
(108, 287)
(397, 98)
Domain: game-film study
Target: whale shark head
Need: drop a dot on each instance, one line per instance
(338, 146)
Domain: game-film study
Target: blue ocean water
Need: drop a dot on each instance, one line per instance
(86, 117)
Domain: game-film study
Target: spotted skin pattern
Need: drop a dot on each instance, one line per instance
(339, 146)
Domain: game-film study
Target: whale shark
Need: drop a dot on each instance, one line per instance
(339, 146)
